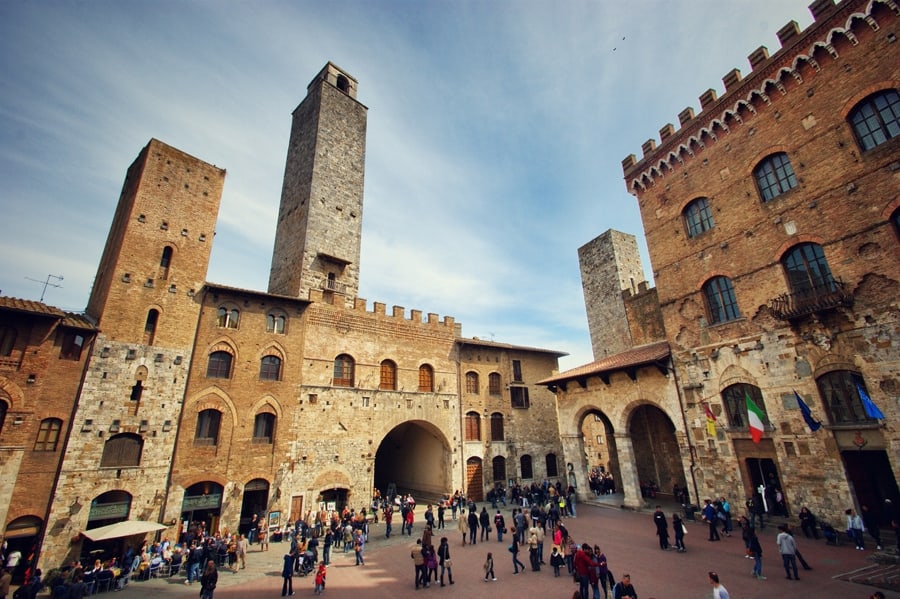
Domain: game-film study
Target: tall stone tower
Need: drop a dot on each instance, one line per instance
(317, 240)
(145, 301)
(610, 264)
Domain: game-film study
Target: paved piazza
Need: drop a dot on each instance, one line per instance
(628, 539)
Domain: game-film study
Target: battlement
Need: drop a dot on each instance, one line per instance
(806, 51)
(397, 312)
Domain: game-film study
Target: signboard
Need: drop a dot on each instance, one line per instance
(201, 502)
(107, 511)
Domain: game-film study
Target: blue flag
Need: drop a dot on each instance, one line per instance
(872, 410)
(807, 415)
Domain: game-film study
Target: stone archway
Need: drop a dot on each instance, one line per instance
(599, 449)
(414, 457)
(657, 457)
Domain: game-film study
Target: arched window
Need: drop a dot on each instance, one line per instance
(876, 119)
(270, 368)
(343, 371)
(735, 399)
(388, 375)
(264, 428)
(122, 451)
(697, 217)
(219, 366)
(150, 326)
(499, 466)
(7, 340)
(228, 317)
(472, 383)
(48, 434)
(720, 302)
(165, 262)
(496, 426)
(807, 270)
(343, 84)
(275, 324)
(208, 422)
(774, 176)
(426, 378)
(552, 465)
(495, 384)
(473, 426)
(525, 464)
(840, 391)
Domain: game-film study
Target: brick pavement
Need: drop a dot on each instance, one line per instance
(628, 539)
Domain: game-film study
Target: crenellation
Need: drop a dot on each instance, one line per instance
(731, 79)
(380, 308)
(788, 32)
(708, 98)
(648, 146)
(820, 7)
(665, 133)
(757, 57)
(398, 311)
(686, 116)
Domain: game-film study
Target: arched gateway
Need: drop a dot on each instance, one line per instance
(414, 457)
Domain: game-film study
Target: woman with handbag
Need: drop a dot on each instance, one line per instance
(443, 553)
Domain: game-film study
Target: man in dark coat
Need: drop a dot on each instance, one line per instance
(473, 526)
(662, 528)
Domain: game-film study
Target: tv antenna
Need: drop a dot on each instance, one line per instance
(46, 283)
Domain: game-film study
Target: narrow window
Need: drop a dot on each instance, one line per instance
(499, 467)
(876, 119)
(496, 426)
(552, 466)
(697, 217)
(473, 426)
(517, 371)
(426, 378)
(270, 368)
(4, 408)
(472, 383)
(275, 324)
(137, 390)
(228, 318)
(343, 371)
(264, 428)
(774, 176)
(525, 464)
(735, 400)
(48, 434)
(208, 427)
(165, 262)
(495, 384)
(720, 301)
(150, 326)
(519, 397)
(72, 345)
(388, 375)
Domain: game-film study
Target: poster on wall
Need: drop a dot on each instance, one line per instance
(274, 519)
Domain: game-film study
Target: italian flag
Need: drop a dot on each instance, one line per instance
(755, 419)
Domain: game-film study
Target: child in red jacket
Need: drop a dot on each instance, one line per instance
(320, 578)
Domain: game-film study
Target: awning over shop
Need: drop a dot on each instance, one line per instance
(122, 529)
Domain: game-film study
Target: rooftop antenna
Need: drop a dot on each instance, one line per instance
(47, 283)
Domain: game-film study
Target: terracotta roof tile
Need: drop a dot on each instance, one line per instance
(21, 305)
(644, 354)
(483, 343)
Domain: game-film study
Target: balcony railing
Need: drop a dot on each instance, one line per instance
(827, 296)
(332, 285)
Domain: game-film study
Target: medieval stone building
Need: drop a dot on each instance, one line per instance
(206, 402)
(772, 220)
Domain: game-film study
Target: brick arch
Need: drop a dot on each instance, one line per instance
(733, 375)
(631, 407)
(210, 475)
(891, 206)
(200, 402)
(270, 401)
(762, 155)
(225, 344)
(693, 198)
(859, 96)
(334, 478)
(273, 349)
(710, 274)
(831, 362)
(793, 241)
(14, 392)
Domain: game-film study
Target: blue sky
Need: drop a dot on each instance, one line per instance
(496, 133)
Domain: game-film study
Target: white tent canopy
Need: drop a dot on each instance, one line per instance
(122, 529)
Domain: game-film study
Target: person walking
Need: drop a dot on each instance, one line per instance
(662, 528)
(473, 526)
(443, 553)
(500, 525)
(484, 520)
(756, 552)
(709, 515)
(787, 546)
(462, 525)
(320, 578)
(514, 549)
(359, 544)
(489, 567)
(855, 528)
(418, 558)
(209, 580)
(679, 529)
(287, 573)
(719, 590)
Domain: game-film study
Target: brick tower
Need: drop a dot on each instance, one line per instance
(610, 264)
(317, 240)
(145, 302)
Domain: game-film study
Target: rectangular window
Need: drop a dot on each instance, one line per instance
(72, 344)
(519, 397)
(517, 371)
